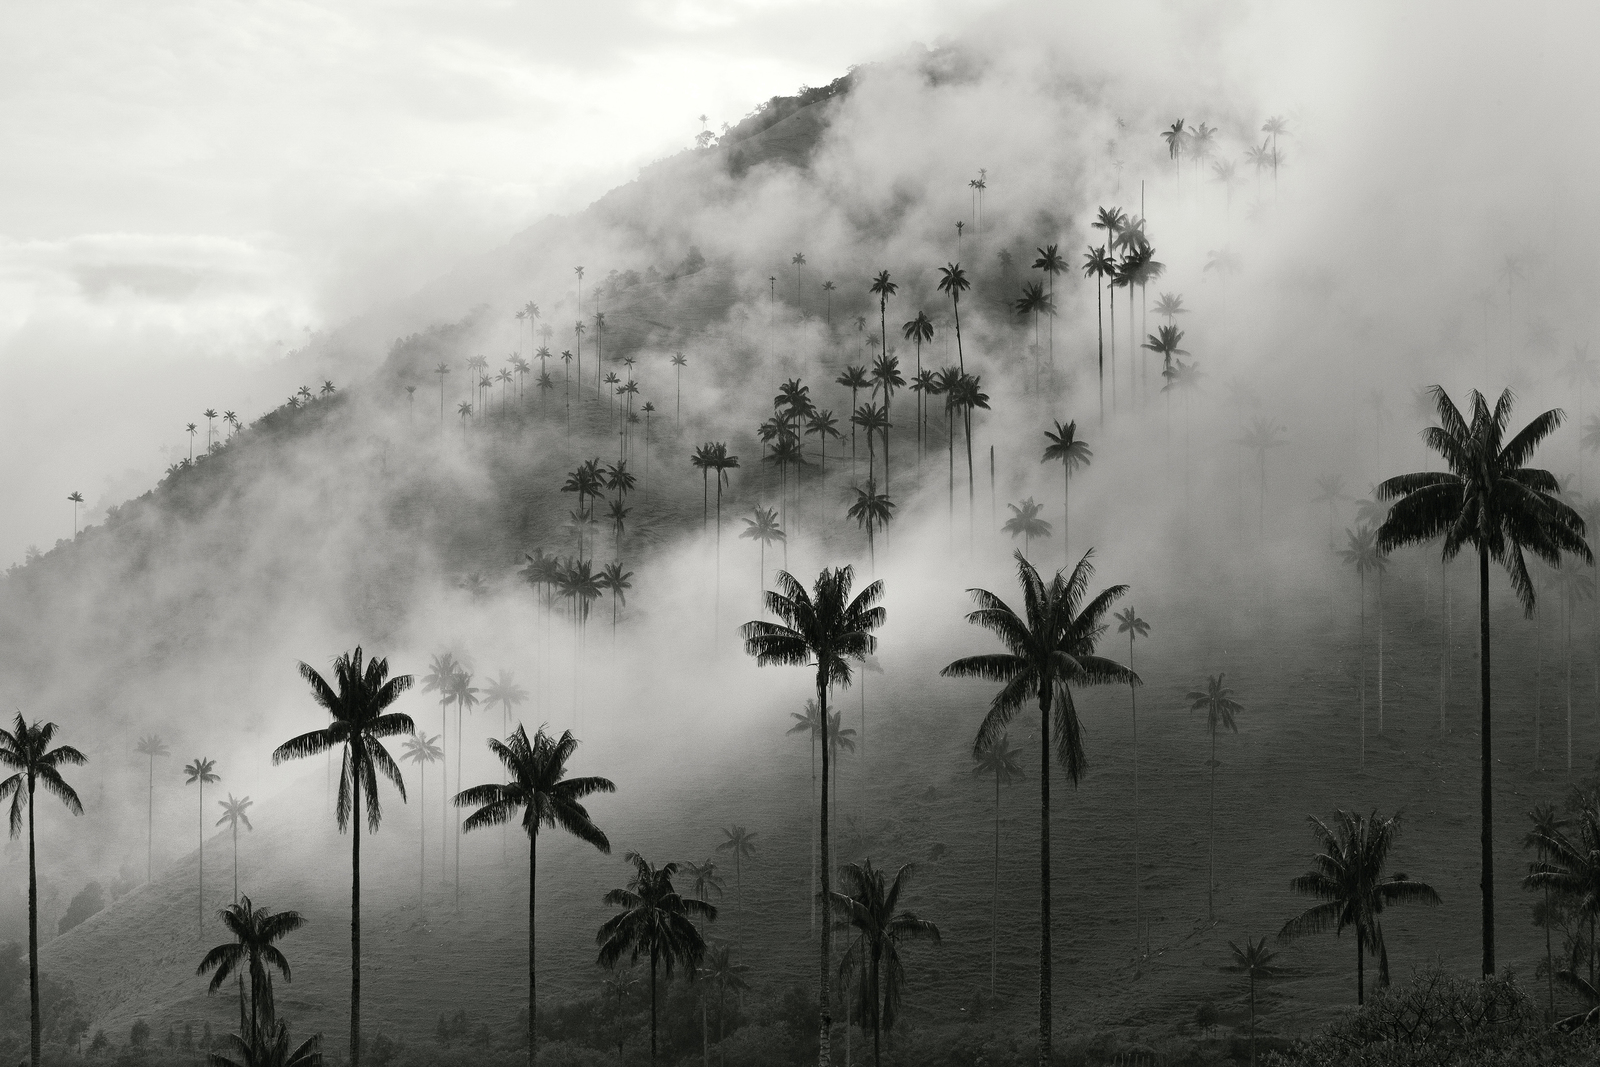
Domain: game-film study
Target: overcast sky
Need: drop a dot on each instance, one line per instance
(190, 185)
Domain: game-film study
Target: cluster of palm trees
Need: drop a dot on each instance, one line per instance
(1201, 145)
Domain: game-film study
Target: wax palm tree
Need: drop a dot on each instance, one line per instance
(1097, 265)
(1262, 437)
(1272, 127)
(1362, 553)
(1254, 961)
(151, 746)
(1568, 865)
(1051, 263)
(918, 331)
(191, 430)
(1348, 877)
(678, 363)
(1025, 523)
(25, 751)
(358, 708)
(464, 409)
(507, 694)
(868, 905)
(742, 844)
(233, 813)
(872, 419)
(200, 773)
(1226, 174)
(810, 723)
(1002, 762)
(883, 289)
(1169, 305)
(721, 971)
(1546, 824)
(854, 379)
(1073, 453)
(441, 370)
(655, 919)
(1489, 499)
(1177, 140)
(871, 510)
(886, 378)
(1330, 490)
(617, 581)
(764, 528)
(442, 671)
(1128, 622)
(422, 750)
(253, 952)
(1216, 700)
(76, 498)
(537, 786)
(823, 425)
(828, 288)
(705, 881)
(953, 282)
(969, 396)
(1036, 302)
(1049, 648)
(825, 629)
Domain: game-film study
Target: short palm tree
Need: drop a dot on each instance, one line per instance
(1347, 875)
(361, 720)
(539, 788)
(953, 282)
(25, 751)
(151, 746)
(422, 750)
(253, 952)
(824, 629)
(742, 844)
(234, 811)
(655, 920)
(201, 773)
(763, 527)
(868, 906)
(1254, 961)
(1002, 762)
(1490, 499)
(721, 971)
(1048, 649)
(871, 510)
(1073, 453)
(1541, 836)
(1026, 523)
(1216, 700)
(1361, 552)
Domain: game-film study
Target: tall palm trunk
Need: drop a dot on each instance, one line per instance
(1444, 642)
(1044, 876)
(1113, 289)
(1100, 346)
(200, 900)
(422, 833)
(1363, 654)
(1380, 653)
(1361, 966)
(33, 936)
(150, 823)
(355, 918)
(994, 897)
(1211, 833)
(877, 1011)
(236, 862)
(1566, 620)
(1487, 883)
(961, 358)
(1138, 872)
(654, 955)
(1066, 508)
(533, 870)
(824, 1051)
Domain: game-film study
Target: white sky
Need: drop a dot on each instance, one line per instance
(189, 185)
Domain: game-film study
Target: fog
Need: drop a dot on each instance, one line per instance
(1424, 145)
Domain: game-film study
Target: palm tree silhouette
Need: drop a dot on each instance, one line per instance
(1048, 649)
(918, 331)
(1254, 961)
(1362, 553)
(825, 629)
(192, 430)
(1272, 127)
(422, 750)
(741, 843)
(656, 920)
(1330, 490)
(25, 751)
(464, 695)
(254, 952)
(442, 671)
(441, 370)
(969, 396)
(539, 788)
(871, 419)
(1546, 824)
(1216, 700)
(233, 813)
(854, 379)
(828, 288)
(1073, 453)
(953, 282)
(1262, 437)
(505, 692)
(1128, 622)
(464, 409)
(1051, 263)
(1097, 265)
(1025, 523)
(200, 773)
(76, 498)
(810, 724)
(1004, 763)
(763, 527)
(868, 906)
(720, 970)
(151, 746)
(1347, 875)
(617, 581)
(883, 289)
(1489, 499)
(1568, 865)
(886, 378)
(706, 881)
(871, 510)
(361, 721)
(1177, 140)
(1035, 301)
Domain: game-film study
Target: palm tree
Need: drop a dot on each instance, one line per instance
(252, 951)
(706, 881)
(191, 431)
(1546, 824)
(678, 363)
(270, 1048)
(1272, 127)
(1363, 554)
(1254, 961)
(872, 419)
(360, 723)
(1489, 499)
(654, 919)
(968, 396)
(464, 409)
(1217, 702)
(441, 676)
(618, 581)
(422, 750)
(1035, 301)
(1569, 866)
(742, 843)
(721, 970)
(1128, 622)
(1330, 490)
(827, 629)
(505, 692)
(918, 331)
(871, 509)
(1262, 437)
(886, 376)
(76, 498)
(1165, 342)
(953, 282)
(1097, 265)
(1176, 142)
(1572, 587)
(868, 906)
(764, 528)
(1004, 763)
(1347, 875)
(1051, 263)
(1073, 453)
(883, 289)
(1026, 523)
(233, 813)
(151, 746)
(537, 785)
(200, 773)
(823, 425)
(854, 379)
(1049, 648)
(464, 695)
(25, 750)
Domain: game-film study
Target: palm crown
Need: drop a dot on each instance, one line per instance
(538, 788)
(25, 750)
